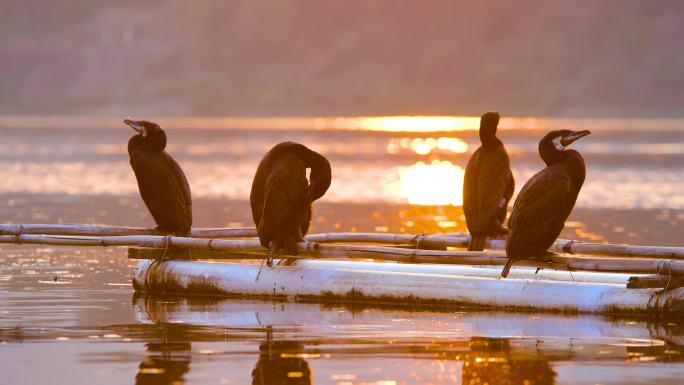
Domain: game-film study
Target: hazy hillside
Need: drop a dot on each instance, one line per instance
(605, 58)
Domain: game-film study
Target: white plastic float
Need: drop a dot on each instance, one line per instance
(408, 284)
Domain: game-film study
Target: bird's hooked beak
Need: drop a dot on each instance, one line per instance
(573, 136)
(137, 126)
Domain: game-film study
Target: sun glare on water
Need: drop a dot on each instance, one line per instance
(437, 183)
(418, 123)
(424, 146)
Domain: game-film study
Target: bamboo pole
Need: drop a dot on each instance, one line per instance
(97, 230)
(576, 247)
(655, 282)
(147, 241)
(496, 258)
(457, 240)
(194, 254)
(419, 240)
(492, 258)
(460, 240)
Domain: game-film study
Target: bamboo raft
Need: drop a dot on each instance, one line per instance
(581, 277)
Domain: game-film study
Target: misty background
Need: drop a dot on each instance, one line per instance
(382, 57)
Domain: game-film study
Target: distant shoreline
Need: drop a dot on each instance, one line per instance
(413, 123)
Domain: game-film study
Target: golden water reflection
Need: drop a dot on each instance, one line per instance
(418, 123)
(424, 146)
(436, 183)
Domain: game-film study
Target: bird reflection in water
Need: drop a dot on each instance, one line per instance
(491, 361)
(281, 363)
(168, 360)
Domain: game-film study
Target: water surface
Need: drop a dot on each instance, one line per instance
(69, 315)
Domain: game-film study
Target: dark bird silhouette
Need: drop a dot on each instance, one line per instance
(281, 195)
(161, 181)
(487, 186)
(546, 200)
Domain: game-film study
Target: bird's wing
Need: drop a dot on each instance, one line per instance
(470, 185)
(491, 183)
(264, 170)
(286, 188)
(503, 204)
(180, 191)
(164, 189)
(510, 187)
(537, 210)
(181, 180)
(256, 195)
(494, 181)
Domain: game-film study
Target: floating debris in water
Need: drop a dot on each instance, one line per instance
(54, 282)
(350, 376)
(208, 352)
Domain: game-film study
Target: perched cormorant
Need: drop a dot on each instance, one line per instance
(161, 181)
(546, 200)
(487, 186)
(281, 195)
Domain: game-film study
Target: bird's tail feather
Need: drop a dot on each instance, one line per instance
(507, 268)
(291, 246)
(477, 242)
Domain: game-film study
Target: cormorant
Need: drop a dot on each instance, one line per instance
(281, 195)
(487, 186)
(546, 200)
(161, 181)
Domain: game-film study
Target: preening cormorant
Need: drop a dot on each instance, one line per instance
(161, 181)
(546, 200)
(487, 186)
(281, 195)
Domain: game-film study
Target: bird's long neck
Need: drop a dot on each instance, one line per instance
(321, 174)
(573, 163)
(570, 160)
(488, 137)
(154, 142)
(549, 153)
(134, 143)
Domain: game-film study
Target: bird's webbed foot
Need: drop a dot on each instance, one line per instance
(160, 230)
(273, 249)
